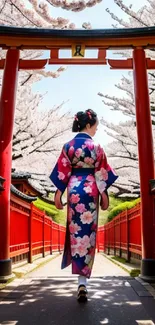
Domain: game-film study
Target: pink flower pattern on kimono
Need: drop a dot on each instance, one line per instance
(89, 144)
(85, 241)
(74, 198)
(74, 181)
(71, 152)
(102, 174)
(73, 240)
(80, 207)
(86, 217)
(78, 152)
(61, 175)
(90, 178)
(80, 164)
(82, 250)
(64, 162)
(87, 188)
(88, 161)
(74, 228)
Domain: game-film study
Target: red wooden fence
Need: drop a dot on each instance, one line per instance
(32, 232)
(122, 235)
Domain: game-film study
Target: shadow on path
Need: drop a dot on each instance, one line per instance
(52, 301)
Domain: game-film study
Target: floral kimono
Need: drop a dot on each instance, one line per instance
(82, 168)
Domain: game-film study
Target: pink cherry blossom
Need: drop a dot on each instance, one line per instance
(104, 174)
(87, 189)
(90, 178)
(73, 240)
(74, 198)
(74, 182)
(100, 152)
(89, 144)
(97, 164)
(86, 217)
(82, 250)
(70, 151)
(74, 228)
(88, 160)
(80, 163)
(78, 152)
(61, 175)
(85, 240)
(64, 162)
(80, 207)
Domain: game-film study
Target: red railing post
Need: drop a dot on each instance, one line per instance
(59, 249)
(114, 238)
(51, 237)
(30, 256)
(44, 234)
(146, 161)
(120, 250)
(108, 241)
(7, 109)
(127, 236)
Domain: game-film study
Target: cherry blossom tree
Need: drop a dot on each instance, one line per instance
(38, 135)
(123, 149)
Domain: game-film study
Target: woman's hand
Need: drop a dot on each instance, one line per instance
(104, 201)
(57, 200)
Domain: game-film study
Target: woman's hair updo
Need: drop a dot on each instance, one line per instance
(81, 119)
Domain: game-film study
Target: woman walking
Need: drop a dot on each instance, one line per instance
(82, 168)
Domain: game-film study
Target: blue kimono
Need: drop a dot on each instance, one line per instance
(82, 168)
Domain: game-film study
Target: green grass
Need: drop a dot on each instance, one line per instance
(58, 216)
(103, 215)
(119, 259)
(121, 207)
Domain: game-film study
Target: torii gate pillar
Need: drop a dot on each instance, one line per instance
(146, 163)
(7, 108)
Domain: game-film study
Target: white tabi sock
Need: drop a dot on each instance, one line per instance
(82, 280)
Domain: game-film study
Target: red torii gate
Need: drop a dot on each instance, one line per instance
(15, 39)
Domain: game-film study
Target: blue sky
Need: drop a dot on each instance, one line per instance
(79, 85)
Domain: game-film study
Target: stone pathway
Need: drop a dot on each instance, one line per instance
(47, 296)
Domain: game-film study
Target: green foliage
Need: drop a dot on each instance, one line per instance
(121, 207)
(135, 272)
(103, 215)
(119, 259)
(58, 216)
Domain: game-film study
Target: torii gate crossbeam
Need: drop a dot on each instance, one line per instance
(16, 39)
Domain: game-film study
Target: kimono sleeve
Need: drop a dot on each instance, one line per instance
(105, 176)
(61, 172)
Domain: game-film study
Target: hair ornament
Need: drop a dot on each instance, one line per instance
(89, 115)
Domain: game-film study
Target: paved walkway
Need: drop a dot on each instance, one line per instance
(48, 297)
